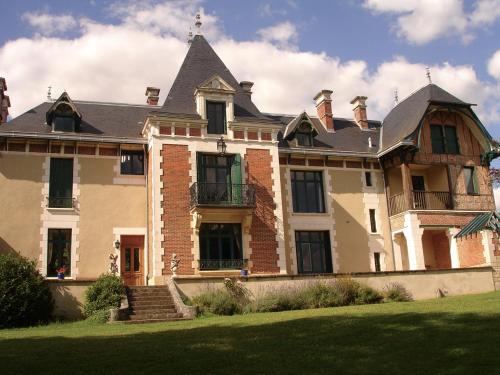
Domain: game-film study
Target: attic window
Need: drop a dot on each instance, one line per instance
(63, 120)
(304, 135)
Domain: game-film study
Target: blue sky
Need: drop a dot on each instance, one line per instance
(351, 46)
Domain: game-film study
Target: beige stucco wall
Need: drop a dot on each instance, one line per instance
(69, 298)
(20, 203)
(105, 206)
(351, 231)
(422, 284)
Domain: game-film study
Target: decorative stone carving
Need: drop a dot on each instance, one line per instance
(174, 264)
(113, 266)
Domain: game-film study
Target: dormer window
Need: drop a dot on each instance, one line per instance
(304, 135)
(63, 116)
(216, 116)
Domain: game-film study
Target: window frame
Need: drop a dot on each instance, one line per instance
(473, 180)
(59, 116)
(55, 198)
(368, 179)
(132, 170)
(372, 213)
(444, 140)
(377, 260)
(216, 103)
(324, 244)
(318, 206)
(68, 247)
(304, 134)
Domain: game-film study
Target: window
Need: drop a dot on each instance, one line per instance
(373, 221)
(444, 139)
(61, 183)
(219, 179)
(376, 258)
(220, 246)
(368, 179)
(313, 252)
(63, 124)
(307, 191)
(216, 116)
(470, 180)
(59, 251)
(132, 162)
(304, 135)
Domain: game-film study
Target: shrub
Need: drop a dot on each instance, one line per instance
(100, 316)
(346, 291)
(238, 291)
(368, 295)
(25, 298)
(281, 299)
(319, 294)
(104, 294)
(217, 301)
(396, 292)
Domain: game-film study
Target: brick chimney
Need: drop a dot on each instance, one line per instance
(4, 101)
(153, 94)
(324, 108)
(247, 87)
(359, 109)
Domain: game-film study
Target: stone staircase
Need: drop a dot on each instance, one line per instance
(149, 304)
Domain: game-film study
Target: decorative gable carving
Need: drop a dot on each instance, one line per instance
(216, 84)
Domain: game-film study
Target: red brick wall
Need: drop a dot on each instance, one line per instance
(496, 244)
(263, 229)
(441, 250)
(470, 250)
(452, 219)
(176, 219)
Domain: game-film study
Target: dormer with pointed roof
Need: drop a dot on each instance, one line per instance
(63, 115)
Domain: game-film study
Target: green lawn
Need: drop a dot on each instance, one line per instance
(454, 335)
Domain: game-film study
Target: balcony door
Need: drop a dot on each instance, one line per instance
(220, 246)
(219, 178)
(132, 256)
(418, 185)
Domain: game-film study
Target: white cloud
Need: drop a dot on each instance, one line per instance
(117, 62)
(49, 24)
(496, 193)
(283, 34)
(267, 10)
(421, 21)
(494, 65)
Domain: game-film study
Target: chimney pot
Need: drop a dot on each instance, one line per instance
(4, 101)
(359, 109)
(324, 108)
(247, 87)
(153, 94)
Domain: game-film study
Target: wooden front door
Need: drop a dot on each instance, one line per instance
(132, 257)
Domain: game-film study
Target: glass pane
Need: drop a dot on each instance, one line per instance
(437, 139)
(451, 140)
(61, 182)
(317, 255)
(132, 162)
(64, 124)
(306, 257)
(469, 180)
(137, 261)
(127, 260)
(59, 252)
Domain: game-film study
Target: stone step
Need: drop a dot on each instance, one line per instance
(154, 310)
(151, 301)
(144, 321)
(161, 315)
(140, 307)
(149, 295)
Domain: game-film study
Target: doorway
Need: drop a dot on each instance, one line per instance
(132, 256)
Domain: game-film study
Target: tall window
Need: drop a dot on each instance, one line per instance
(470, 180)
(368, 179)
(373, 221)
(132, 162)
(219, 178)
(307, 191)
(216, 116)
(376, 258)
(61, 183)
(313, 252)
(59, 252)
(304, 135)
(444, 139)
(220, 246)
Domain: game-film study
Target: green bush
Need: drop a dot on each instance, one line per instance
(217, 301)
(346, 291)
(100, 316)
(396, 292)
(319, 294)
(25, 298)
(368, 295)
(104, 294)
(280, 299)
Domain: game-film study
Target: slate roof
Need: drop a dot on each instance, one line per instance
(201, 63)
(405, 117)
(98, 119)
(348, 137)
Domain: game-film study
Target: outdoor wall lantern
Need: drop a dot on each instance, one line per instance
(117, 244)
(221, 146)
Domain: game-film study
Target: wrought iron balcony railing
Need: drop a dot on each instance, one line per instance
(222, 264)
(220, 194)
(61, 202)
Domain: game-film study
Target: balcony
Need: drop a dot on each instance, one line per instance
(222, 195)
(222, 264)
(438, 200)
(61, 202)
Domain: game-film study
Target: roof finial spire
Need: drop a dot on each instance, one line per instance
(49, 93)
(428, 74)
(198, 24)
(396, 97)
(190, 36)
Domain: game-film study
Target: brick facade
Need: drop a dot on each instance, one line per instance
(451, 219)
(470, 250)
(263, 229)
(176, 219)
(441, 250)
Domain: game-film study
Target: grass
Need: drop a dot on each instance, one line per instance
(454, 335)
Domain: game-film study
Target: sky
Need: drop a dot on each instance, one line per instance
(111, 50)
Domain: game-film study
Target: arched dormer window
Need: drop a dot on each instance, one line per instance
(63, 116)
(304, 135)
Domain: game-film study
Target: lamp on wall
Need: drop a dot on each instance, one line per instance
(221, 146)
(117, 244)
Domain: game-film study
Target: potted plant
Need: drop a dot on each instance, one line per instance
(60, 272)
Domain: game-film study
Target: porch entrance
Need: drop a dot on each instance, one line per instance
(132, 255)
